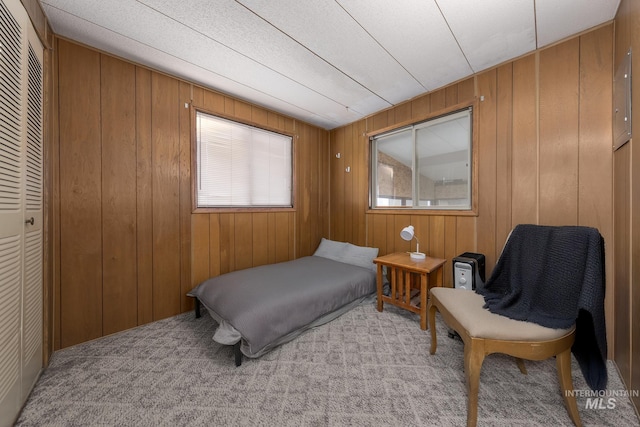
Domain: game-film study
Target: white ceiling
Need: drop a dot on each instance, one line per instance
(326, 62)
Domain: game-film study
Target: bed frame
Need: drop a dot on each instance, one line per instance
(237, 354)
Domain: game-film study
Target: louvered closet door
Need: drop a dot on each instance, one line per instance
(20, 200)
(11, 211)
(32, 272)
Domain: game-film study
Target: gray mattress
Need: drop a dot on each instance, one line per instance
(268, 305)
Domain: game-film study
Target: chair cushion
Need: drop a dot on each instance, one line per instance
(468, 308)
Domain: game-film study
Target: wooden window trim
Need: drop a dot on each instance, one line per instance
(473, 211)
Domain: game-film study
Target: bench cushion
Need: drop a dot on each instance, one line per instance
(468, 308)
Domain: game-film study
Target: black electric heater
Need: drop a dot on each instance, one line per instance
(468, 271)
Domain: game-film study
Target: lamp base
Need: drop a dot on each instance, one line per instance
(417, 256)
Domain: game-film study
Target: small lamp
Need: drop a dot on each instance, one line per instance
(407, 234)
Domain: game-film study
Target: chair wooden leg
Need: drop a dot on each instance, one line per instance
(432, 322)
(473, 358)
(563, 364)
(520, 363)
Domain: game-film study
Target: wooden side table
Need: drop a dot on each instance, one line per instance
(404, 273)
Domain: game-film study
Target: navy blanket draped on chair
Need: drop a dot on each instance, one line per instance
(555, 276)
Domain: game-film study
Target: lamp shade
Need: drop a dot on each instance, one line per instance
(407, 233)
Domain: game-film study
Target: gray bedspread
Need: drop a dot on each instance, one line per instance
(271, 304)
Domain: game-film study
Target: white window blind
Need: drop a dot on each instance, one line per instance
(241, 166)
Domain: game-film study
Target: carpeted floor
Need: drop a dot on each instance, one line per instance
(363, 369)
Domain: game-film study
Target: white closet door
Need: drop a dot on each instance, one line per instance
(32, 273)
(21, 78)
(11, 211)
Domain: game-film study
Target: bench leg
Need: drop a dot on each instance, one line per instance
(473, 358)
(563, 365)
(431, 312)
(521, 366)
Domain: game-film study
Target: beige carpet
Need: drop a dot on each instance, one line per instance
(363, 369)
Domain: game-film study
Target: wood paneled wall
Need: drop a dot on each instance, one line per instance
(127, 247)
(544, 156)
(224, 242)
(627, 208)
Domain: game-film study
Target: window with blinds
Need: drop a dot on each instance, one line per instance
(241, 166)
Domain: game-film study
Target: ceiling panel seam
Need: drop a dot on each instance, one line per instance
(454, 37)
(258, 62)
(320, 57)
(382, 46)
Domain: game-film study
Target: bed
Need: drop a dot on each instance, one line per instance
(262, 307)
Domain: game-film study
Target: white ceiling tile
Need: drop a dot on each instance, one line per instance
(491, 32)
(326, 29)
(327, 62)
(416, 35)
(236, 75)
(558, 20)
(240, 30)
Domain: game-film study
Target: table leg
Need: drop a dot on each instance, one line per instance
(424, 289)
(379, 286)
(439, 277)
(407, 287)
(394, 284)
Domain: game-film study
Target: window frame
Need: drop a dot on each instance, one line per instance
(410, 210)
(195, 166)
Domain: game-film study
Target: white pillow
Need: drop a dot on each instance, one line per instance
(331, 249)
(360, 256)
